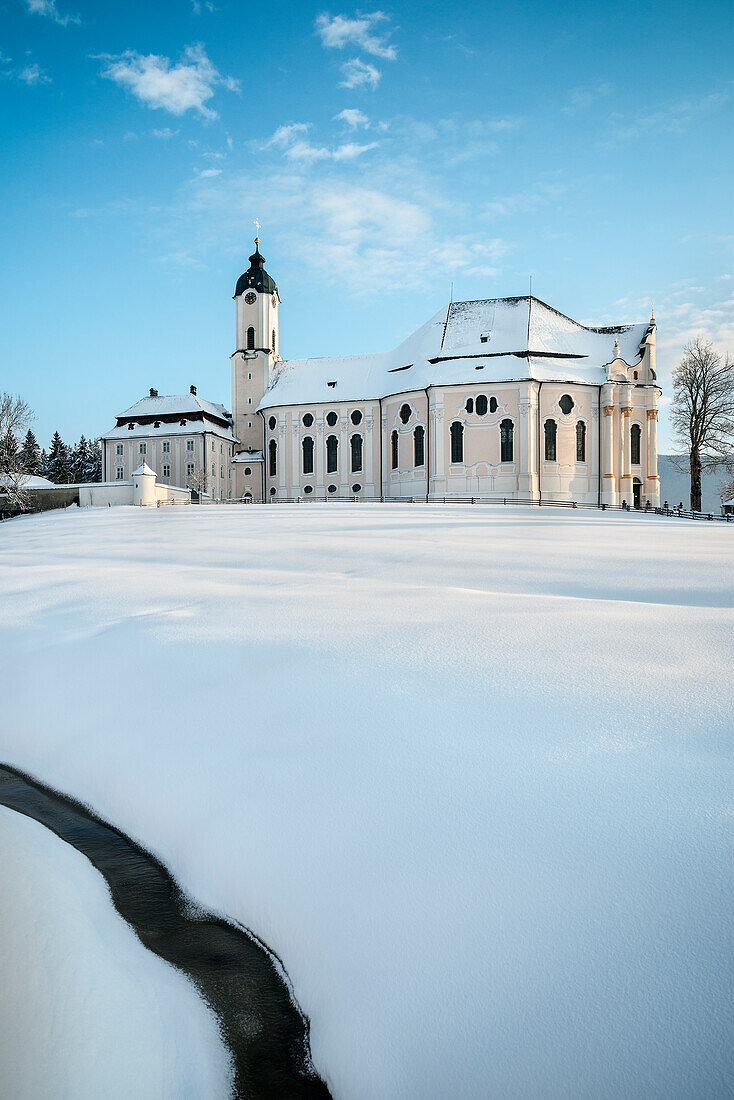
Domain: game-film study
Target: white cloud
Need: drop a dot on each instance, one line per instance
(291, 138)
(339, 31)
(32, 74)
(156, 82)
(49, 9)
(353, 118)
(163, 135)
(359, 74)
(286, 134)
(209, 173)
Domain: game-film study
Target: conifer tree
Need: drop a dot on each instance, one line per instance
(30, 454)
(58, 464)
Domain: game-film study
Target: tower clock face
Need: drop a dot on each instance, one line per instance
(273, 299)
(251, 297)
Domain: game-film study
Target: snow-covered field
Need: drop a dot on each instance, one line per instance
(468, 770)
(85, 1012)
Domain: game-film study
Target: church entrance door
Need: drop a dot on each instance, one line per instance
(637, 492)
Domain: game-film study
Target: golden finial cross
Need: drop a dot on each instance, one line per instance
(256, 223)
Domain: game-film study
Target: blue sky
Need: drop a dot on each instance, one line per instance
(387, 153)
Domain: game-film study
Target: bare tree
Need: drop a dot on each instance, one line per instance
(702, 412)
(198, 480)
(15, 417)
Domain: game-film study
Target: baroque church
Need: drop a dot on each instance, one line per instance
(504, 398)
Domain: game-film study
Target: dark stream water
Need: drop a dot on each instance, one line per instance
(241, 979)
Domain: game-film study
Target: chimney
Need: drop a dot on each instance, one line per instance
(153, 393)
(192, 390)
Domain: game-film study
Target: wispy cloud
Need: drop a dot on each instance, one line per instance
(292, 139)
(49, 9)
(30, 74)
(525, 202)
(359, 74)
(674, 117)
(341, 30)
(346, 231)
(177, 88)
(209, 173)
(580, 98)
(197, 6)
(353, 118)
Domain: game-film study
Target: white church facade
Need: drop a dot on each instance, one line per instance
(503, 398)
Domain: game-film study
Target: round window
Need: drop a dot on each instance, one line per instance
(356, 417)
(272, 492)
(271, 423)
(248, 471)
(308, 488)
(481, 405)
(307, 420)
(405, 413)
(566, 404)
(332, 488)
(357, 488)
(331, 419)
(470, 404)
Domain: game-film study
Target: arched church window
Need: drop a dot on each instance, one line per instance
(470, 404)
(419, 450)
(307, 448)
(331, 419)
(457, 440)
(581, 441)
(507, 441)
(273, 457)
(566, 404)
(481, 405)
(271, 423)
(635, 433)
(332, 454)
(405, 413)
(493, 404)
(250, 339)
(356, 417)
(356, 446)
(394, 450)
(307, 420)
(550, 440)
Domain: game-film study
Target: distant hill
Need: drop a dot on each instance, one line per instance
(675, 484)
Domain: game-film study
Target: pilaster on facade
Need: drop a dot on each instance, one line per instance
(653, 486)
(609, 493)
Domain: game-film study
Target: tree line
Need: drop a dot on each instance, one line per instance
(62, 463)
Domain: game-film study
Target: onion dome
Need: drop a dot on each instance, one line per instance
(256, 277)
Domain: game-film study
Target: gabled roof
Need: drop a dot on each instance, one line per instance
(492, 340)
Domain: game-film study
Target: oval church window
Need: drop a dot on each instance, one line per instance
(566, 404)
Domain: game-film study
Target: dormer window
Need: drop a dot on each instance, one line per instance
(182, 423)
(157, 424)
(130, 427)
(484, 338)
(331, 385)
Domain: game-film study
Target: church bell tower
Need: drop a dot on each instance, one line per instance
(256, 302)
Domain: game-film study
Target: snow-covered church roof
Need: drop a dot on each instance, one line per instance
(503, 338)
